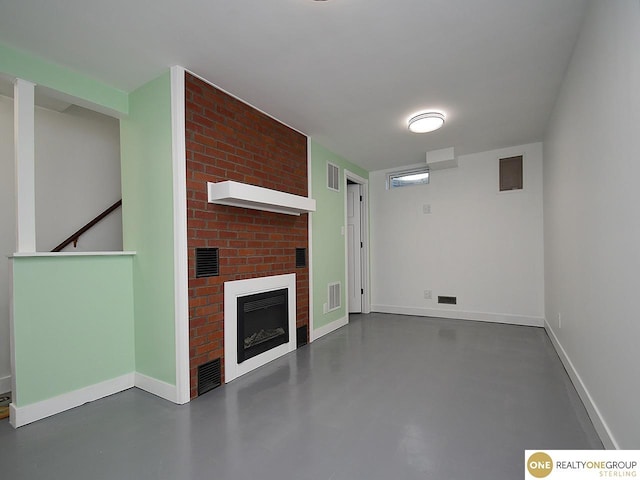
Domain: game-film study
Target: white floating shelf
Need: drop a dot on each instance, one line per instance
(238, 194)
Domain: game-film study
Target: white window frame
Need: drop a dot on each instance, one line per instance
(407, 172)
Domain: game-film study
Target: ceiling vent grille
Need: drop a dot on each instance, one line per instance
(209, 376)
(333, 177)
(207, 262)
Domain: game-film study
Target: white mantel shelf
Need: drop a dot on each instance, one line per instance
(238, 194)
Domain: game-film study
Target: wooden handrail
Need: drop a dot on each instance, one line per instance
(74, 238)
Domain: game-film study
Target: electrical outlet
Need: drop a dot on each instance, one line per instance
(426, 208)
(324, 308)
(559, 320)
(427, 294)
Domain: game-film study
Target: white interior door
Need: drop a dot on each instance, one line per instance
(354, 249)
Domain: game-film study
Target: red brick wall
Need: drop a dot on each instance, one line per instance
(229, 140)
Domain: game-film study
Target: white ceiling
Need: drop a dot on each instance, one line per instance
(347, 72)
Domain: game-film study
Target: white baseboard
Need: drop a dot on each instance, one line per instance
(599, 424)
(5, 384)
(462, 315)
(330, 327)
(156, 387)
(20, 416)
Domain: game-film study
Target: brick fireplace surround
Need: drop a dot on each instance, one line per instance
(228, 140)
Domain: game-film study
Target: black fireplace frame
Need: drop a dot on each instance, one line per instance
(255, 302)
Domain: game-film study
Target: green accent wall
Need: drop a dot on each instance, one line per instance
(328, 242)
(73, 323)
(44, 73)
(147, 222)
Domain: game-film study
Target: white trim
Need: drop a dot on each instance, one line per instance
(606, 436)
(24, 155)
(330, 327)
(12, 329)
(156, 387)
(511, 319)
(240, 288)
(364, 234)
(310, 238)
(71, 254)
(20, 416)
(5, 384)
(180, 263)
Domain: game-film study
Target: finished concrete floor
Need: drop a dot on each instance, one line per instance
(387, 397)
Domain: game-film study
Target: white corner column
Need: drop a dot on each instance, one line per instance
(180, 257)
(25, 179)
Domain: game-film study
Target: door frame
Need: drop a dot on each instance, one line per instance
(364, 224)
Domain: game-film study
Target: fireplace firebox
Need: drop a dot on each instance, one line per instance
(263, 322)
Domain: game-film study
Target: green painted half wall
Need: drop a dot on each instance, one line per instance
(326, 224)
(147, 223)
(73, 323)
(44, 73)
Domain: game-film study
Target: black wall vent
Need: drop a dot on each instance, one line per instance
(207, 262)
(209, 376)
(447, 300)
(301, 257)
(301, 336)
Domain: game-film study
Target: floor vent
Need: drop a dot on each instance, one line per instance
(209, 376)
(207, 262)
(301, 257)
(301, 336)
(447, 300)
(335, 296)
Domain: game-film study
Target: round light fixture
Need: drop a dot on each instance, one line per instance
(426, 122)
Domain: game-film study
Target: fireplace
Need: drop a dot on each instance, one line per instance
(259, 321)
(263, 322)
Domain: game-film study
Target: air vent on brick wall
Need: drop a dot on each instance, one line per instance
(209, 376)
(301, 336)
(207, 262)
(333, 177)
(301, 257)
(334, 296)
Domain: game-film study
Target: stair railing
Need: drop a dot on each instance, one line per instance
(74, 238)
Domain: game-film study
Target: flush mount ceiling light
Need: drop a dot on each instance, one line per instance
(426, 122)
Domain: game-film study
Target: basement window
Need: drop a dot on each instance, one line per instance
(404, 178)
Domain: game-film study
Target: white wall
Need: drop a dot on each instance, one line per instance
(7, 233)
(77, 176)
(478, 244)
(592, 219)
